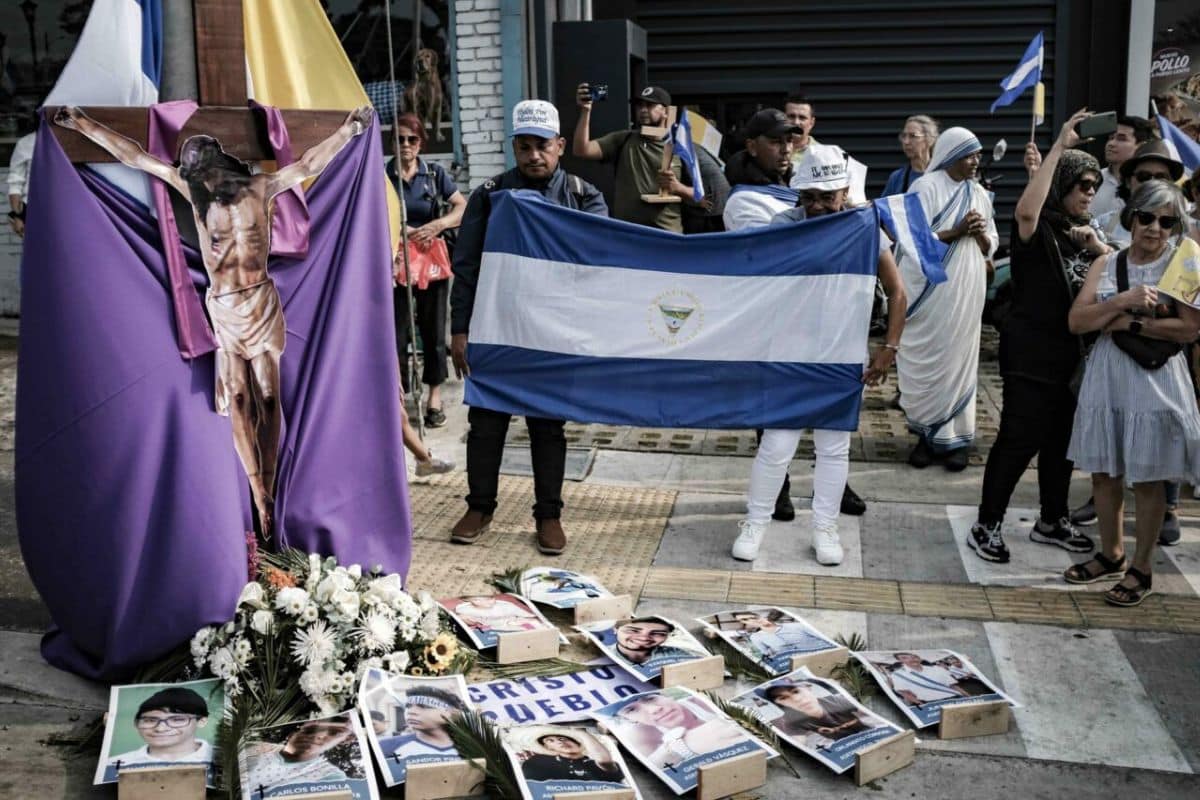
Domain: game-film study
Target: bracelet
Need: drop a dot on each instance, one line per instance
(895, 348)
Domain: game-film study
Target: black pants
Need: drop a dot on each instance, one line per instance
(431, 306)
(485, 449)
(1036, 420)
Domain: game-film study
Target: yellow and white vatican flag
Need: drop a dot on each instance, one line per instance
(1182, 278)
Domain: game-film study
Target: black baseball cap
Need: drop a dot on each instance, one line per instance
(652, 94)
(770, 122)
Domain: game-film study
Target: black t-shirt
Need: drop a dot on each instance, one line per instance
(1047, 272)
(542, 767)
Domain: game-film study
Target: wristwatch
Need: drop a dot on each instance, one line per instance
(1135, 326)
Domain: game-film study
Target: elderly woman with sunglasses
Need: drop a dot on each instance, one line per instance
(1053, 247)
(1137, 421)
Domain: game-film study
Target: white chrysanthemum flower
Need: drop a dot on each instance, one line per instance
(315, 682)
(431, 624)
(314, 645)
(396, 662)
(291, 600)
(253, 595)
(314, 572)
(200, 643)
(311, 613)
(376, 633)
(384, 590)
(242, 651)
(223, 663)
(354, 571)
(263, 621)
(406, 607)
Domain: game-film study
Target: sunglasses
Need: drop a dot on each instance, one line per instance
(1143, 176)
(1087, 184)
(409, 139)
(1167, 222)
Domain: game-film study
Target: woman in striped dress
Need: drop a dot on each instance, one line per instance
(1134, 425)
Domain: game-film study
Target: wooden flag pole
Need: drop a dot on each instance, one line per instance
(1039, 108)
(663, 196)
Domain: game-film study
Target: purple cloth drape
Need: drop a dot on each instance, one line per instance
(131, 502)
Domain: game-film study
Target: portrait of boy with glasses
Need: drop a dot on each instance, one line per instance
(171, 724)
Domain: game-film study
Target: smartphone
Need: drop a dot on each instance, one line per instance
(598, 91)
(1098, 125)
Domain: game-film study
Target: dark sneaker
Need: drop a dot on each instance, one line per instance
(472, 525)
(957, 460)
(434, 418)
(1169, 533)
(1085, 514)
(784, 510)
(852, 504)
(921, 456)
(1062, 534)
(987, 543)
(551, 540)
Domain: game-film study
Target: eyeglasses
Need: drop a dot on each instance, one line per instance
(911, 137)
(1167, 222)
(823, 198)
(1087, 184)
(409, 139)
(1143, 176)
(175, 721)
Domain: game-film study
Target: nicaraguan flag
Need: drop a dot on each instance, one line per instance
(592, 319)
(681, 136)
(1188, 149)
(1027, 73)
(116, 62)
(903, 217)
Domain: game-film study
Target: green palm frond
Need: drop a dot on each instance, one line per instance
(542, 668)
(852, 675)
(738, 663)
(753, 724)
(475, 737)
(508, 581)
(289, 560)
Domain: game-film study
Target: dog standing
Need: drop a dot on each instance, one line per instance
(424, 94)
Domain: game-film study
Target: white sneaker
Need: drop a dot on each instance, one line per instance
(745, 547)
(826, 545)
(434, 466)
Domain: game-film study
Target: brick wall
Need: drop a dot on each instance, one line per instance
(481, 104)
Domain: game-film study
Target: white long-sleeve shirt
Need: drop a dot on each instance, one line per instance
(18, 167)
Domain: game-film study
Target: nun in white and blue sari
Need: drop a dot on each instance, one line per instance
(938, 359)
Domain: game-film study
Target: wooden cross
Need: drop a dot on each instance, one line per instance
(223, 114)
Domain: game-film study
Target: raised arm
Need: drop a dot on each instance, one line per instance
(1029, 207)
(124, 149)
(582, 144)
(317, 158)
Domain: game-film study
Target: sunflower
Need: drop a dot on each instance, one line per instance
(440, 652)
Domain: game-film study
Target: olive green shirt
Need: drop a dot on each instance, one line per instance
(638, 160)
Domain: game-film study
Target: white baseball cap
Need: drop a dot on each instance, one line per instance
(535, 118)
(824, 168)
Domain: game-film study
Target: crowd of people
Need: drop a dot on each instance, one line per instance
(1088, 246)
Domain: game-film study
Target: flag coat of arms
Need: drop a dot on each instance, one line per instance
(592, 319)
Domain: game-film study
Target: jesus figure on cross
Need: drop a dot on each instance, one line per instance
(232, 210)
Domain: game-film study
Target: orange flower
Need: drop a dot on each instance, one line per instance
(279, 579)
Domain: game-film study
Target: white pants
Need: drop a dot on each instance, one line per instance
(771, 463)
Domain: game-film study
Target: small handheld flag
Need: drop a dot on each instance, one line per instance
(681, 136)
(1028, 73)
(1182, 277)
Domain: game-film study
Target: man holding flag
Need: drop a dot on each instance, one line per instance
(637, 160)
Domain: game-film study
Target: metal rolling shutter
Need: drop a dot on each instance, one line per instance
(866, 66)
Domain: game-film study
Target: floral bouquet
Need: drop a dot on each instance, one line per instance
(305, 631)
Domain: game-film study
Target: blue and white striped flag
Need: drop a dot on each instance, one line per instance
(1028, 73)
(116, 62)
(1188, 149)
(903, 217)
(681, 136)
(596, 320)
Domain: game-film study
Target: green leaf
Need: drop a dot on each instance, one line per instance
(852, 675)
(475, 736)
(753, 725)
(542, 668)
(508, 581)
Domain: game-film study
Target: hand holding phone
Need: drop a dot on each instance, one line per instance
(1098, 125)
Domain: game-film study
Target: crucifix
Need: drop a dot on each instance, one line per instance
(232, 209)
